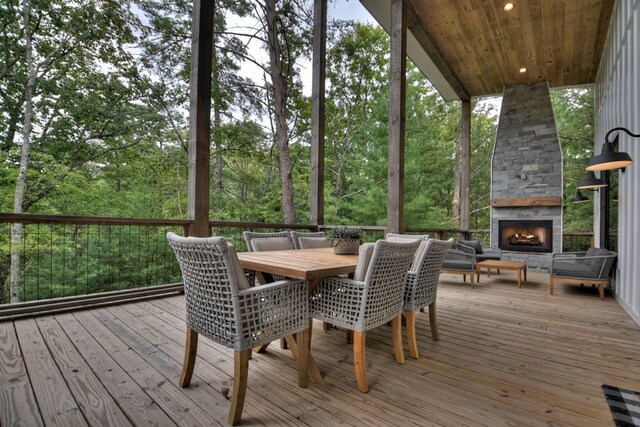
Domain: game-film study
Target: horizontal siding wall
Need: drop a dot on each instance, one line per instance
(618, 104)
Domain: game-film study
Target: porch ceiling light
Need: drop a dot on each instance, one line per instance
(609, 158)
(591, 182)
(508, 7)
(522, 70)
(579, 198)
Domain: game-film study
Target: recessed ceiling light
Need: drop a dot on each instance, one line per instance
(523, 70)
(509, 6)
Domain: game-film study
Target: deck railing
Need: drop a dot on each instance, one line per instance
(76, 260)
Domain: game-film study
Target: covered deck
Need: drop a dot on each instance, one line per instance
(506, 356)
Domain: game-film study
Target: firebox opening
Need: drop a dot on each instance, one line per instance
(526, 235)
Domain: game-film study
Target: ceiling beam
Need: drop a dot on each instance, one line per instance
(417, 27)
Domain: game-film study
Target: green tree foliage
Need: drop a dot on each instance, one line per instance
(484, 124)
(573, 110)
(110, 126)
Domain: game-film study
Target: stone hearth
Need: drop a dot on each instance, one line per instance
(526, 169)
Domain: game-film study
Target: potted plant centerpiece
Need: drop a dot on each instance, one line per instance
(346, 240)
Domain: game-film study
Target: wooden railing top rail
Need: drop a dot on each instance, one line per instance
(87, 220)
(97, 220)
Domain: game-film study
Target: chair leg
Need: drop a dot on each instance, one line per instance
(190, 351)
(283, 344)
(472, 283)
(359, 360)
(261, 349)
(550, 285)
(396, 327)
(433, 321)
(302, 339)
(240, 375)
(411, 333)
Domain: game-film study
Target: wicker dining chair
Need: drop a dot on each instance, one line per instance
(297, 235)
(270, 241)
(221, 306)
(421, 289)
(361, 305)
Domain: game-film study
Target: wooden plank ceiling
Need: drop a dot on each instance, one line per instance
(484, 47)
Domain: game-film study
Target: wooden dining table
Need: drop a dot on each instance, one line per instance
(310, 265)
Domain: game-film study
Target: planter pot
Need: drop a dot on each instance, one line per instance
(346, 246)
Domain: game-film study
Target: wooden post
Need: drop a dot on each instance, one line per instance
(465, 158)
(397, 96)
(317, 111)
(605, 211)
(200, 116)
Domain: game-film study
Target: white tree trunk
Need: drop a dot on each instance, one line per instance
(16, 229)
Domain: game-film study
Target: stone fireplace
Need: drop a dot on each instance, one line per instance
(526, 235)
(526, 177)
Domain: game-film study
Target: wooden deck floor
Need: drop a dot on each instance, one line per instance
(506, 356)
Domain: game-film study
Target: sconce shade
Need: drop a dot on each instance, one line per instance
(579, 198)
(609, 158)
(591, 182)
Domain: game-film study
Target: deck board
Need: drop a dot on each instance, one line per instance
(139, 407)
(95, 402)
(57, 404)
(17, 402)
(506, 356)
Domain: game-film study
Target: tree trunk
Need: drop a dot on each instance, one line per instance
(4, 274)
(455, 203)
(16, 229)
(279, 83)
(217, 139)
(457, 172)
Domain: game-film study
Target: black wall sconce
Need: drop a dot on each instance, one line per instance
(591, 182)
(609, 158)
(579, 198)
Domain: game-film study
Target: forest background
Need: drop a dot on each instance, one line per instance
(94, 118)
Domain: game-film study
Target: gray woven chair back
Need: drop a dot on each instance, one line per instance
(236, 318)
(251, 235)
(210, 287)
(295, 236)
(589, 266)
(383, 296)
(422, 286)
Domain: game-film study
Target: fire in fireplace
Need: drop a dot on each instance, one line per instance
(526, 235)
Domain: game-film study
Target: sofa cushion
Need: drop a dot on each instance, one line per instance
(364, 258)
(272, 244)
(487, 256)
(457, 264)
(472, 244)
(241, 279)
(597, 252)
(574, 269)
(313, 242)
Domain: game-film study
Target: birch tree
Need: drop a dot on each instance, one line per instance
(57, 38)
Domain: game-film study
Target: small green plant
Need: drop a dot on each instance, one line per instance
(345, 232)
